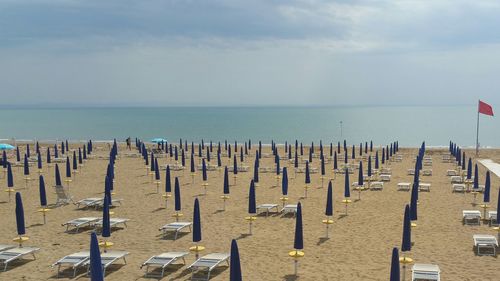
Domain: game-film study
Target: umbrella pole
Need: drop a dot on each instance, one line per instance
(157, 187)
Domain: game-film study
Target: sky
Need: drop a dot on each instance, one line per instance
(240, 52)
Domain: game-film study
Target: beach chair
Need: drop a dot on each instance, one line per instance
(471, 217)
(446, 158)
(207, 263)
(289, 208)
(425, 272)
(80, 222)
(386, 171)
(73, 261)
(113, 222)
(427, 172)
(270, 170)
(385, 177)
(108, 258)
(458, 187)
(6, 247)
(63, 197)
(243, 169)
(16, 253)
(267, 208)
(404, 186)
(451, 173)
(456, 179)
(162, 261)
(424, 187)
(410, 172)
(398, 158)
(492, 217)
(175, 227)
(485, 242)
(88, 202)
(376, 185)
(100, 203)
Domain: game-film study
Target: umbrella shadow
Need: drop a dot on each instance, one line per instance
(171, 236)
(290, 277)
(36, 224)
(322, 240)
(151, 193)
(4, 202)
(155, 273)
(243, 236)
(158, 209)
(202, 274)
(341, 216)
(218, 211)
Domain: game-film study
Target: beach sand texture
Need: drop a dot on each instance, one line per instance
(359, 247)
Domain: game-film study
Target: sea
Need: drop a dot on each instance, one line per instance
(410, 125)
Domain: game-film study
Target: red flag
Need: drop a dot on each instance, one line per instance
(485, 108)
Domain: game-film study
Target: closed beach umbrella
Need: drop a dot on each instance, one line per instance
(157, 170)
(301, 149)
(353, 152)
(56, 152)
(43, 194)
(498, 207)
(96, 273)
(308, 177)
(226, 181)
(177, 195)
(476, 178)
(256, 171)
(80, 158)
(298, 243)
(395, 273)
(219, 161)
(252, 208)
(241, 155)
(39, 161)
(486, 195)
(406, 241)
(347, 191)
(284, 182)
(176, 154)
(346, 158)
(183, 158)
(463, 160)
(62, 148)
(48, 156)
(370, 166)
(296, 162)
(26, 165)
(469, 169)
(58, 176)
(21, 230)
(413, 203)
(196, 222)
(278, 169)
(192, 163)
(10, 176)
(376, 161)
(152, 161)
(106, 229)
(371, 146)
(235, 165)
(323, 166)
(329, 200)
(4, 159)
(335, 164)
(75, 163)
(18, 155)
(360, 174)
(168, 181)
(28, 150)
(234, 265)
(204, 170)
(383, 156)
(68, 167)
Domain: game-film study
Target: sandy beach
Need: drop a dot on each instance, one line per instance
(359, 247)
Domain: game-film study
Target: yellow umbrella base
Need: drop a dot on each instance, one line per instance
(296, 254)
(405, 260)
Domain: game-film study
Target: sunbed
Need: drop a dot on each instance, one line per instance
(458, 187)
(79, 222)
(385, 177)
(405, 186)
(427, 172)
(13, 254)
(471, 217)
(74, 261)
(267, 208)
(162, 261)
(175, 227)
(112, 222)
(456, 179)
(63, 197)
(425, 272)
(208, 263)
(492, 217)
(88, 202)
(6, 247)
(108, 258)
(424, 187)
(290, 208)
(376, 185)
(485, 241)
(451, 173)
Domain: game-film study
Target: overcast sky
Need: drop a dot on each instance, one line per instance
(241, 52)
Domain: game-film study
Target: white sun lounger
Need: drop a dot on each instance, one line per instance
(108, 258)
(100, 204)
(74, 261)
(427, 172)
(208, 263)
(162, 261)
(267, 208)
(376, 185)
(6, 247)
(63, 197)
(425, 272)
(112, 222)
(266, 169)
(88, 202)
(410, 172)
(451, 173)
(404, 186)
(492, 217)
(13, 254)
(386, 171)
(456, 179)
(175, 227)
(424, 187)
(79, 222)
(458, 187)
(385, 177)
(290, 208)
(471, 217)
(485, 241)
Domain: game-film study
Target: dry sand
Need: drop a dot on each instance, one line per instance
(359, 247)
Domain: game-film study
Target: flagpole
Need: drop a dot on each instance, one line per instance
(477, 133)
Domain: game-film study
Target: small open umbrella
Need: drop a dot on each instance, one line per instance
(234, 265)
(5, 146)
(96, 272)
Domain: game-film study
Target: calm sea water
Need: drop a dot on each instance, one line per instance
(410, 125)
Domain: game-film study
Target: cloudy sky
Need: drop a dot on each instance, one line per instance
(240, 52)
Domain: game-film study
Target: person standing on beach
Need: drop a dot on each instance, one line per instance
(128, 144)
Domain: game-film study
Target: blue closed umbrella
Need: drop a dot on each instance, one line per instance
(196, 222)
(369, 166)
(346, 158)
(68, 167)
(335, 164)
(226, 181)
(413, 203)
(18, 155)
(234, 265)
(106, 228)
(323, 172)
(395, 273)
(406, 241)
(28, 150)
(75, 163)
(284, 182)
(58, 176)
(168, 182)
(39, 161)
(308, 176)
(360, 174)
(10, 176)
(43, 194)
(383, 155)
(177, 195)
(152, 161)
(192, 163)
(252, 208)
(204, 170)
(476, 178)
(48, 156)
(256, 171)
(376, 161)
(26, 165)
(219, 161)
(183, 158)
(298, 243)
(498, 208)
(469, 169)
(296, 162)
(235, 165)
(21, 230)
(329, 200)
(487, 184)
(80, 158)
(157, 170)
(62, 148)
(347, 191)
(4, 160)
(96, 273)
